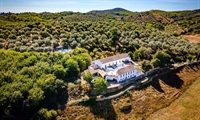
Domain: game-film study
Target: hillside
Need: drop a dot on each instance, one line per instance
(185, 107)
(187, 21)
(109, 11)
(139, 103)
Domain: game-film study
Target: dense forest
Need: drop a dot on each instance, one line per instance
(35, 81)
(33, 77)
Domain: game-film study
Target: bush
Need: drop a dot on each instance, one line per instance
(44, 114)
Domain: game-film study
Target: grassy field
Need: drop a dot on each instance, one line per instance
(186, 107)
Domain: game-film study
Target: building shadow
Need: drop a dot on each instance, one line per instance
(154, 83)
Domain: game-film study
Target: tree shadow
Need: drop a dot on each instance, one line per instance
(172, 79)
(169, 77)
(103, 109)
(155, 83)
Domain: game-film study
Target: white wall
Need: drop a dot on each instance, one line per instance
(138, 74)
(126, 76)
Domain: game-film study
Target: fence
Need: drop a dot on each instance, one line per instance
(116, 95)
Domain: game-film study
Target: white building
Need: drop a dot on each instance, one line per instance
(116, 68)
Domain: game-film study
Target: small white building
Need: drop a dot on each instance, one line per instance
(116, 68)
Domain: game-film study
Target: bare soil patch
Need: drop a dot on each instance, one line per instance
(192, 38)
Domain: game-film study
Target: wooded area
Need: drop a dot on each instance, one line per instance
(32, 81)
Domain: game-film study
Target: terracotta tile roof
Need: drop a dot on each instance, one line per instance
(114, 58)
(125, 69)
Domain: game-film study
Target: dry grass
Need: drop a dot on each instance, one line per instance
(192, 38)
(184, 108)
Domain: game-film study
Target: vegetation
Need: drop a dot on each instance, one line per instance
(32, 80)
(161, 59)
(101, 39)
(44, 114)
(88, 77)
(100, 85)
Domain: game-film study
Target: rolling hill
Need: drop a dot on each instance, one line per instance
(146, 16)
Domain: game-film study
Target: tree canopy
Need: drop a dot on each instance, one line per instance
(87, 76)
(100, 85)
(33, 79)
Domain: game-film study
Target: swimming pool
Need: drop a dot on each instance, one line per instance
(64, 51)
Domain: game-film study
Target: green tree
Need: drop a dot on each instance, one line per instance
(144, 53)
(59, 71)
(16, 96)
(136, 56)
(155, 62)
(100, 85)
(81, 62)
(36, 95)
(146, 65)
(114, 36)
(44, 114)
(162, 59)
(88, 76)
(73, 68)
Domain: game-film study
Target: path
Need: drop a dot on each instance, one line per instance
(116, 95)
(122, 92)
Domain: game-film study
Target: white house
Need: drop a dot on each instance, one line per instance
(116, 68)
